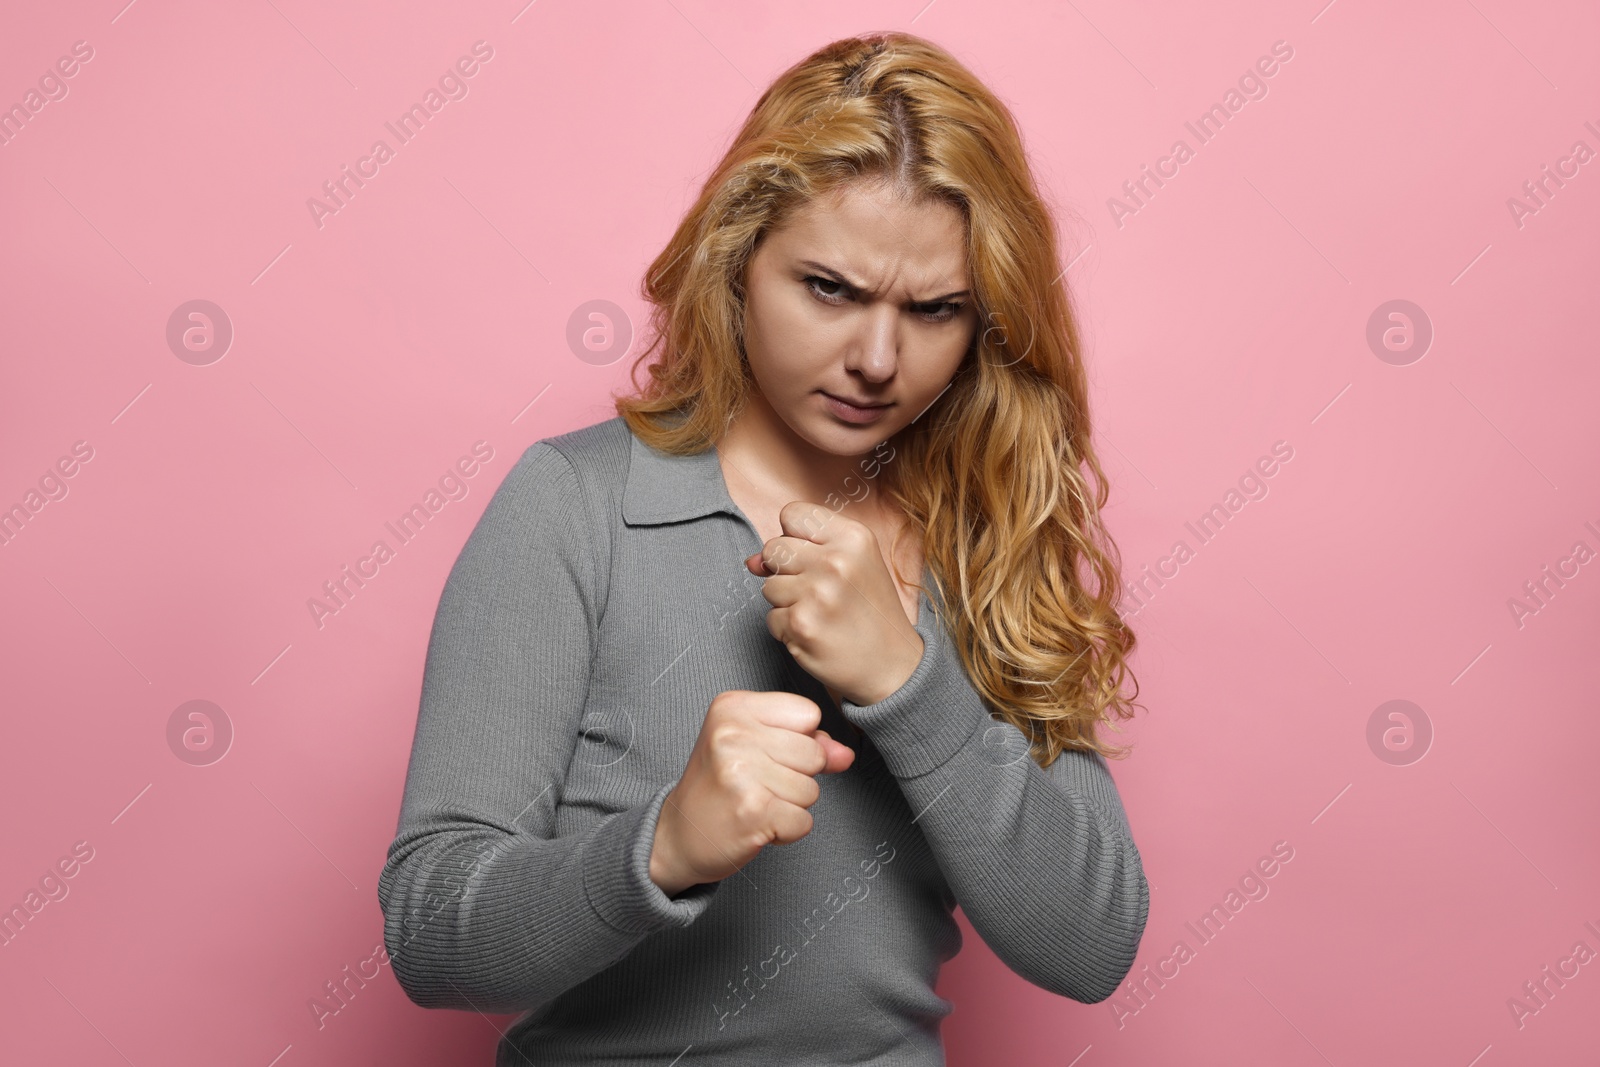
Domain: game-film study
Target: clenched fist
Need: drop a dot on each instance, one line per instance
(747, 785)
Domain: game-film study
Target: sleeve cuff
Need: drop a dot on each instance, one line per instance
(616, 874)
(932, 715)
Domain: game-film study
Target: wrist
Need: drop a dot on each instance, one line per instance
(899, 675)
(664, 870)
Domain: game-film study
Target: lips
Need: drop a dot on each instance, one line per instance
(858, 403)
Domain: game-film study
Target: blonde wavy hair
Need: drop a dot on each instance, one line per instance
(996, 475)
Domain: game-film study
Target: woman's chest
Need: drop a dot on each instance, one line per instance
(907, 555)
(684, 619)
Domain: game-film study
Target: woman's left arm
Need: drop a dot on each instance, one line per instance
(1041, 860)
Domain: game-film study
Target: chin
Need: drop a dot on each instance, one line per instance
(851, 441)
(816, 431)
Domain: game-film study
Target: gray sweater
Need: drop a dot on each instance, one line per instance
(598, 606)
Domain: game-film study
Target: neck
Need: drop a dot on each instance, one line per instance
(760, 450)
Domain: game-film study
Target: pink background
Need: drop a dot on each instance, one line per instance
(1228, 313)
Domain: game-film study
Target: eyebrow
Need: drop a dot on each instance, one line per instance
(862, 287)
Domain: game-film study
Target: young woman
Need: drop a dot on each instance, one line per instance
(730, 700)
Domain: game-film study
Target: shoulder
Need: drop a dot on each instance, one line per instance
(578, 478)
(567, 485)
(555, 505)
(598, 453)
(591, 466)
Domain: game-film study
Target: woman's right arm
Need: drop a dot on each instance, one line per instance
(484, 906)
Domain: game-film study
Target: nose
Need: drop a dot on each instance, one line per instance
(875, 350)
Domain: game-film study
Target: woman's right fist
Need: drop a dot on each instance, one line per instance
(748, 784)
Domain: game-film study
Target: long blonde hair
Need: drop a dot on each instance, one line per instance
(995, 475)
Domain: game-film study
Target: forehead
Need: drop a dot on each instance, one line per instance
(874, 234)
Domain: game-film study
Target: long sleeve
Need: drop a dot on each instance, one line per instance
(1041, 860)
(484, 906)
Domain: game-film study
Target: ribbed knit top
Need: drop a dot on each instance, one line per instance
(595, 610)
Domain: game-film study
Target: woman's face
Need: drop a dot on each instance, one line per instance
(862, 297)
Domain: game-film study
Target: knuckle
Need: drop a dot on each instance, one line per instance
(749, 806)
(725, 737)
(728, 778)
(731, 770)
(810, 713)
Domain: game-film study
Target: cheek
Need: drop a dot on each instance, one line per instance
(944, 359)
(939, 365)
(769, 317)
(787, 347)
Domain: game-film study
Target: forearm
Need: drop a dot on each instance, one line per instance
(1053, 886)
(476, 918)
(485, 906)
(1041, 861)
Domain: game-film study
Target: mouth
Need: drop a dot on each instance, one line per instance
(864, 404)
(853, 411)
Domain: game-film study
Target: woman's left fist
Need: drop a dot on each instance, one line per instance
(835, 606)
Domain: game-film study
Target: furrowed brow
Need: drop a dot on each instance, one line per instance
(861, 287)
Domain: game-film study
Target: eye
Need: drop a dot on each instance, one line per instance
(952, 308)
(944, 311)
(826, 298)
